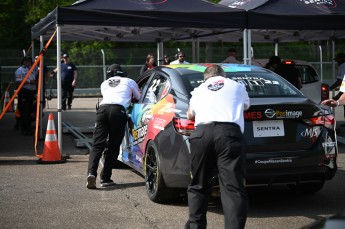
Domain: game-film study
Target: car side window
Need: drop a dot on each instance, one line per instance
(308, 74)
(157, 89)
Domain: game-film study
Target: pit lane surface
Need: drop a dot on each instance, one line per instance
(54, 195)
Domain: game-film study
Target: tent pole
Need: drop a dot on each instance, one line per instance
(193, 50)
(42, 79)
(104, 70)
(249, 48)
(159, 52)
(333, 65)
(58, 81)
(197, 50)
(321, 63)
(276, 48)
(245, 46)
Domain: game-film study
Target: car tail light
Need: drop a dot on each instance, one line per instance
(324, 91)
(289, 62)
(327, 121)
(183, 126)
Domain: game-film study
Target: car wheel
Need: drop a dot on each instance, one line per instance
(307, 188)
(155, 186)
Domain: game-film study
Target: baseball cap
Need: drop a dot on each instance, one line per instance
(65, 55)
(274, 60)
(340, 55)
(115, 70)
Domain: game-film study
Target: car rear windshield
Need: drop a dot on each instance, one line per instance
(258, 84)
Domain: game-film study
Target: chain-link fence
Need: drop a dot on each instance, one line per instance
(90, 67)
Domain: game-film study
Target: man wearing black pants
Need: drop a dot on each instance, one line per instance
(117, 93)
(217, 107)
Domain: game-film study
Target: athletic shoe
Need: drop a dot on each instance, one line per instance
(91, 181)
(107, 183)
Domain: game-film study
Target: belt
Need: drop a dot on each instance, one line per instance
(223, 123)
(115, 105)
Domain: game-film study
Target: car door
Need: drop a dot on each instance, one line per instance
(311, 83)
(138, 131)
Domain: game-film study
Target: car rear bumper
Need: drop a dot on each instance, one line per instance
(289, 175)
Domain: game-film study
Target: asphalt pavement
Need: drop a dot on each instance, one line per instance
(52, 196)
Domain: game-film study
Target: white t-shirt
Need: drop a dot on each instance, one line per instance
(178, 62)
(119, 90)
(219, 99)
(21, 72)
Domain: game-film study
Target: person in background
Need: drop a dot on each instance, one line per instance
(340, 59)
(26, 95)
(217, 107)
(68, 81)
(149, 63)
(117, 92)
(71, 82)
(287, 71)
(180, 59)
(231, 58)
(166, 59)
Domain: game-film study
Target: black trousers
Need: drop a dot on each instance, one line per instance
(25, 107)
(67, 95)
(217, 145)
(111, 122)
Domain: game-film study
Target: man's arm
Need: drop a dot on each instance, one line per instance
(190, 114)
(75, 75)
(335, 84)
(135, 90)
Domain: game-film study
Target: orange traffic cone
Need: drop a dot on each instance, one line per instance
(6, 101)
(51, 152)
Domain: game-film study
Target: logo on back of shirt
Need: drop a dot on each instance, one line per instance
(216, 85)
(114, 82)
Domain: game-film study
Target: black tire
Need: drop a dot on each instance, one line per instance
(154, 182)
(307, 188)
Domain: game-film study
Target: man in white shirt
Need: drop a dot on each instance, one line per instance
(340, 59)
(180, 59)
(217, 107)
(117, 92)
(26, 95)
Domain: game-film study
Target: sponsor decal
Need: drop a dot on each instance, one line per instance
(311, 132)
(168, 108)
(327, 3)
(328, 144)
(270, 113)
(114, 82)
(252, 115)
(145, 118)
(254, 81)
(159, 123)
(138, 158)
(273, 161)
(139, 134)
(215, 86)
